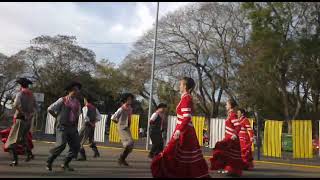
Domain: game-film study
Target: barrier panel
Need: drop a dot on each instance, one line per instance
(172, 122)
(198, 123)
(272, 138)
(217, 131)
(50, 121)
(302, 138)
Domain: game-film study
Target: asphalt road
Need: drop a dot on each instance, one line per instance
(106, 166)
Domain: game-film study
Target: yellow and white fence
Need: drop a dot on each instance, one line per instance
(302, 138)
(272, 138)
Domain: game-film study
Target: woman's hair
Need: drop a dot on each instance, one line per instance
(125, 97)
(190, 84)
(242, 111)
(232, 102)
(161, 105)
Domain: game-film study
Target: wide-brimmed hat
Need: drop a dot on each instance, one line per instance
(23, 81)
(71, 85)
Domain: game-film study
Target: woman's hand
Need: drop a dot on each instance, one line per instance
(233, 137)
(176, 135)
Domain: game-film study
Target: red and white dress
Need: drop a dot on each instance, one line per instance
(181, 158)
(227, 154)
(246, 135)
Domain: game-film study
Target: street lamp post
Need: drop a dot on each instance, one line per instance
(152, 75)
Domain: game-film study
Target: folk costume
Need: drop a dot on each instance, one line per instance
(66, 110)
(25, 106)
(227, 153)
(181, 158)
(123, 118)
(246, 139)
(91, 115)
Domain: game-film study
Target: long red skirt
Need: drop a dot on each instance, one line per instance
(246, 154)
(19, 148)
(227, 155)
(181, 158)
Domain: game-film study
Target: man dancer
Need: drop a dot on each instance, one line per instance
(66, 110)
(122, 117)
(156, 128)
(91, 115)
(25, 107)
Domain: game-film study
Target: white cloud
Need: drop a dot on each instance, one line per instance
(20, 22)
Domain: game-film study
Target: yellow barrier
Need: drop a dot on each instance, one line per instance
(134, 128)
(198, 123)
(302, 138)
(272, 138)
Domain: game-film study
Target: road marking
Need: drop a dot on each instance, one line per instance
(142, 150)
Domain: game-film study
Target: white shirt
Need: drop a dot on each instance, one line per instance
(85, 116)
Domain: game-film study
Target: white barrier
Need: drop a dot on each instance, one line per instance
(50, 121)
(319, 138)
(172, 122)
(217, 131)
(99, 133)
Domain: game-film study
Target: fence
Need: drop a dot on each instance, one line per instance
(273, 142)
(99, 133)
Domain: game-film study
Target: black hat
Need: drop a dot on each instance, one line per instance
(88, 96)
(24, 81)
(72, 85)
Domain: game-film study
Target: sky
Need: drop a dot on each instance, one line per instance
(107, 28)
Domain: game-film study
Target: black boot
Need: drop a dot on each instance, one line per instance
(29, 155)
(83, 156)
(49, 162)
(96, 152)
(65, 166)
(123, 156)
(14, 157)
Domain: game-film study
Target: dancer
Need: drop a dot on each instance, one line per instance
(66, 110)
(227, 154)
(246, 136)
(156, 129)
(182, 157)
(91, 115)
(123, 117)
(25, 106)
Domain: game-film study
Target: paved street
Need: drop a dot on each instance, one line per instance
(106, 166)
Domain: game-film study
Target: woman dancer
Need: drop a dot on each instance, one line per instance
(227, 154)
(182, 157)
(246, 136)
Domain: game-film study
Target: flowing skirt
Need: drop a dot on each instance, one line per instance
(227, 155)
(181, 158)
(19, 148)
(246, 154)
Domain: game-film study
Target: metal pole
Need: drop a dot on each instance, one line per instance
(152, 74)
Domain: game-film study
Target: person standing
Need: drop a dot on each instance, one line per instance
(182, 157)
(156, 129)
(122, 117)
(246, 137)
(226, 155)
(25, 107)
(91, 116)
(66, 110)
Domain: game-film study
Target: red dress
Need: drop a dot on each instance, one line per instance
(246, 134)
(227, 153)
(181, 158)
(19, 148)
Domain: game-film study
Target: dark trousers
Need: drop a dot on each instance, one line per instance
(65, 135)
(157, 143)
(87, 134)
